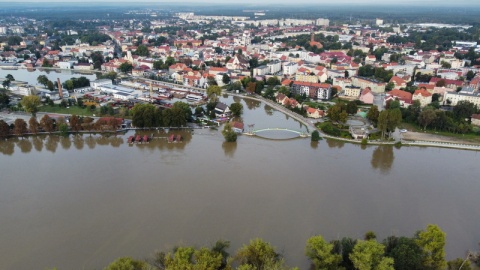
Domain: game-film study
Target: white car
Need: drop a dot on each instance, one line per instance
(403, 130)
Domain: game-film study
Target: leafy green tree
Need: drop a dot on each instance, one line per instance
(46, 63)
(6, 83)
(257, 254)
(184, 107)
(4, 99)
(142, 50)
(352, 107)
(373, 114)
(126, 263)
(343, 117)
(320, 253)
(50, 85)
(369, 255)
(43, 80)
(273, 81)
(126, 67)
(228, 133)
(426, 117)
(225, 79)
(459, 263)
(213, 92)
(10, 77)
(432, 243)
(315, 136)
(406, 254)
(236, 109)
(158, 64)
(334, 112)
(464, 109)
(30, 104)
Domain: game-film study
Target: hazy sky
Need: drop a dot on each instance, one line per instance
(432, 2)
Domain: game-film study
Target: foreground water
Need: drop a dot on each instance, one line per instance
(80, 202)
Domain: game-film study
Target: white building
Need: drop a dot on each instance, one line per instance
(454, 98)
(290, 68)
(98, 83)
(379, 21)
(275, 66)
(322, 22)
(261, 71)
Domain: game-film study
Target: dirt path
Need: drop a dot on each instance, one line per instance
(420, 136)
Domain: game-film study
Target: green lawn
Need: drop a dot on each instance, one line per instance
(72, 110)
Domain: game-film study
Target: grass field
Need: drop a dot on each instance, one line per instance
(69, 110)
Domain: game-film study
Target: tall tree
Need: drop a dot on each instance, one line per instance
(426, 117)
(257, 254)
(33, 125)
(432, 243)
(4, 129)
(43, 80)
(352, 107)
(47, 123)
(30, 104)
(320, 254)
(369, 255)
(236, 109)
(213, 92)
(126, 264)
(20, 127)
(372, 114)
(228, 133)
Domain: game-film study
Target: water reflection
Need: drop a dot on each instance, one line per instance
(25, 145)
(236, 99)
(382, 158)
(335, 143)
(268, 110)
(229, 148)
(314, 145)
(65, 142)
(7, 147)
(52, 143)
(38, 142)
(78, 142)
(252, 104)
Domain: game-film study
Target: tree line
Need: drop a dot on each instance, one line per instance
(149, 115)
(425, 250)
(63, 125)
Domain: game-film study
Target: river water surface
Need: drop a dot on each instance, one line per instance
(80, 202)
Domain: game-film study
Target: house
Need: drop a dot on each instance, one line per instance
(374, 85)
(280, 98)
(367, 96)
(237, 127)
(398, 82)
(239, 61)
(222, 110)
(476, 119)
(352, 91)
(315, 113)
(423, 96)
(404, 97)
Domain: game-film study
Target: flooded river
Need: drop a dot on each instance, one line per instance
(80, 202)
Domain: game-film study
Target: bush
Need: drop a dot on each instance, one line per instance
(315, 136)
(364, 141)
(329, 129)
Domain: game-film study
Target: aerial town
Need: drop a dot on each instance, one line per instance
(163, 136)
(299, 63)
